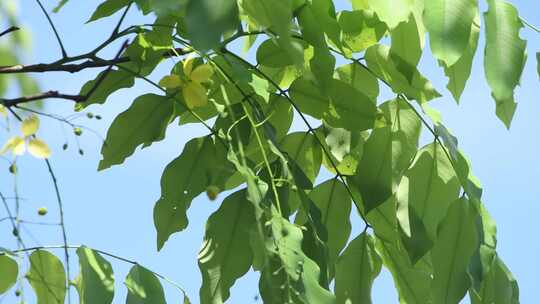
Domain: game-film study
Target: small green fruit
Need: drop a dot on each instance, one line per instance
(13, 169)
(42, 211)
(90, 115)
(77, 131)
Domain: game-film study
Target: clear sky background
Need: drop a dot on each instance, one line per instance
(112, 210)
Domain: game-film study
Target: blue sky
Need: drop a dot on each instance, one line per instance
(112, 210)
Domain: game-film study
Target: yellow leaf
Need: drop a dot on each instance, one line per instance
(188, 65)
(202, 73)
(14, 144)
(39, 148)
(30, 126)
(195, 95)
(3, 111)
(170, 81)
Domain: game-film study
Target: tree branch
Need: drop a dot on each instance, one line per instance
(50, 94)
(9, 30)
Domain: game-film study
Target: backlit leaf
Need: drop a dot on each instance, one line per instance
(30, 126)
(47, 277)
(95, 283)
(392, 12)
(9, 269)
(38, 148)
(143, 287)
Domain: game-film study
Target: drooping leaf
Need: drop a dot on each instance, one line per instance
(107, 8)
(356, 270)
(113, 81)
(449, 25)
(334, 203)
(359, 78)
(272, 55)
(185, 178)
(143, 123)
(304, 149)
(30, 126)
(9, 269)
(360, 29)
(412, 281)
(38, 148)
(143, 287)
(392, 12)
(504, 56)
(225, 254)
(309, 99)
(499, 286)
(207, 20)
(47, 277)
(95, 283)
(426, 191)
(407, 44)
(342, 113)
(459, 72)
(456, 242)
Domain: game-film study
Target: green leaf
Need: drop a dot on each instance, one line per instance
(407, 44)
(359, 78)
(342, 113)
(456, 242)
(360, 29)
(10, 270)
(449, 25)
(380, 61)
(225, 254)
(322, 67)
(499, 287)
(412, 281)
(538, 62)
(334, 202)
(185, 178)
(387, 154)
(143, 287)
(392, 12)
(47, 277)
(459, 72)
(304, 149)
(504, 56)
(293, 276)
(207, 20)
(113, 81)
(95, 282)
(426, 191)
(356, 270)
(271, 54)
(107, 8)
(309, 99)
(143, 123)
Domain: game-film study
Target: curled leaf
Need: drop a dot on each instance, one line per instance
(39, 148)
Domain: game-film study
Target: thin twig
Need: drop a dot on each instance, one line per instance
(532, 27)
(64, 53)
(50, 94)
(9, 30)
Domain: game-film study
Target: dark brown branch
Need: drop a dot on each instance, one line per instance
(9, 30)
(74, 68)
(50, 94)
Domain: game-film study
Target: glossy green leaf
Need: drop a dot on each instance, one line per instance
(459, 72)
(412, 282)
(334, 203)
(392, 12)
(342, 113)
(360, 29)
(504, 56)
(207, 20)
(113, 81)
(9, 269)
(143, 287)
(183, 180)
(407, 44)
(47, 277)
(426, 191)
(304, 149)
(143, 123)
(457, 240)
(387, 154)
(309, 99)
(380, 61)
(360, 78)
(95, 283)
(449, 25)
(107, 8)
(225, 254)
(356, 270)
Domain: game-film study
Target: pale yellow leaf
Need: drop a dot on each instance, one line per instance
(195, 95)
(188, 65)
(39, 148)
(14, 144)
(170, 81)
(3, 111)
(30, 126)
(202, 73)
